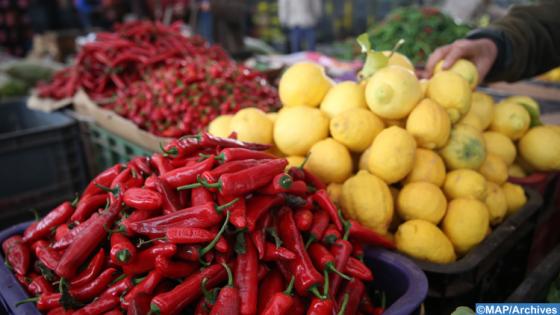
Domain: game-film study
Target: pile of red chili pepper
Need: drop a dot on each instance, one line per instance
(167, 83)
(209, 226)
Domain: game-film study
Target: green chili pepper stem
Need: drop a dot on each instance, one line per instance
(305, 159)
(330, 266)
(344, 304)
(190, 186)
(221, 208)
(210, 246)
(124, 255)
(115, 191)
(171, 152)
(75, 200)
(310, 241)
(229, 275)
(316, 292)
(142, 242)
(205, 184)
(154, 309)
(36, 215)
(326, 284)
(207, 294)
(28, 300)
(277, 241)
(290, 287)
(286, 181)
(346, 224)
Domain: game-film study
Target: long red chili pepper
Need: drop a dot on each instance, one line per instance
(87, 241)
(238, 211)
(188, 174)
(142, 199)
(39, 285)
(281, 302)
(367, 236)
(231, 167)
(355, 290)
(60, 311)
(174, 269)
(88, 205)
(145, 260)
(233, 154)
(45, 301)
(135, 216)
(331, 234)
(341, 250)
(139, 304)
(324, 260)
(323, 305)
(321, 197)
(105, 178)
(200, 196)
(142, 164)
(246, 278)
(99, 306)
(170, 199)
(188, 252)
(17, 254)
(307, 277)
(304, 219)
(258, 206)
(122, 250)
(313, 180)
(273, 253)
(160, 163)
(281, 183)
(91, 271)
(270, 285)
(45, 254)
(69, 238)
(188, 235)
(95, 287)
(299, 307)
(57, 216)
(228, 301)
(318, 227)
(186, 292)
(146, 286)
(259, 234)
(357, 269)
(61, 231)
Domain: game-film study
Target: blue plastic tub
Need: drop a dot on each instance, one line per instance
(405, 285)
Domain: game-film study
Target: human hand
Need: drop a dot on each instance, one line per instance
(481, 52)
(205, 6)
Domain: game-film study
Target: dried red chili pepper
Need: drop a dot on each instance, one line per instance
(91, 271)
(304, 219)
(357, 269)
(228, 301)
(186, 292)
(17, 254)
(88, 205)
(367, 236)
(142, 199)
(57, 216)
(188, 174)
(122, 250)
(307, 277)
(246, 276)
(105, 178)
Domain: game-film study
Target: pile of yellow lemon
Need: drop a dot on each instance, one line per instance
(423, 161)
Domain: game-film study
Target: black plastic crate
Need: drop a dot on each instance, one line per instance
(41, 161)
(489, 272)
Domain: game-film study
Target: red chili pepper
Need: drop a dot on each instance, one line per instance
(122, 249)
(321, 307)
(67, 239)
(341, 250)
(60, 311)
(95, 287)
(366, 305)
(188, 174)
(135, 216)
(299, 306)
(119, 287)
(161, 164)
(88, 205)
(228, 301)
(187, 291)
(263, 271)
(357, 269)
(320, 224)
(105, 178)
(174, 269)
(355, 290)
(297, 173)
(143, 164)
(270, 285)
(99, 306)
(273, 253)
(200, 196)
(45, 301)
(313, 180)
(331, 234)
(188, 252)
(57, 216)
(246, 278)
(207, 140)
(259, 235)
(145, 260)
(142, 199)
(324, 260)
(139, 304)
(238, 211)
(321, 197)
(247, 180)
(281, 302)
(46, 255)
(233, 154)
(188, 235)
(121, 180)
(231, 167)
(304, 219)
(61, 231)
(281, 183)
(307, 277)
(358, 249)
(39, 285)
(87, 241)
(114, 312)
(170, 199)
(367, 236)
(258, 205)
(92, 270)
(17, 254)
(146, 286)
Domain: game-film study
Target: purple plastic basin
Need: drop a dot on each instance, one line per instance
(405, 285)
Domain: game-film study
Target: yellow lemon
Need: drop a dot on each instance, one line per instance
(330, 161)
(451, 91)
(515, 197)
(342, 97)
(465, 223)
(429, 124)
(220, 126)
(494, 169)
(363, 164)
(294, 161)
(424, 86)
(425, 241)
(421, 200)
(472, 120)
(398, 59)
(392, 154)
(395, 122)
(356, 128)
(392, 92)
(496, 202)
(428, 167)
(272, 117)
(540, 147)
(500, 145)
(304, 83)
(510, 119)
(515, 170)
(252, 125)
(464, 68)
(335, 192)
(366, 198)
(530, 105)
(465, 148)
(465, 183)
(298, 128)
(482, 106)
